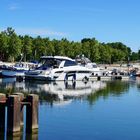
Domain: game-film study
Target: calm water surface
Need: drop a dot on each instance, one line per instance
(83, 111)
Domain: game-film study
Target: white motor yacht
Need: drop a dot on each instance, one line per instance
(61, 68)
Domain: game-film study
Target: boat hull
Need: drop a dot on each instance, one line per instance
(63, 76)
(13, 73)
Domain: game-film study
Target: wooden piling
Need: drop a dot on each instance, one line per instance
(2, 136)
(21, 96)
(32, 136)
(32, 113)
(14, 137)
(13, 111)
(2, 112)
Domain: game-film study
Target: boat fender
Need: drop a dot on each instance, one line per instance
(85, 79)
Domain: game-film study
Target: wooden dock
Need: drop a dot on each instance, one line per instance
(106, 78)
(15, 104)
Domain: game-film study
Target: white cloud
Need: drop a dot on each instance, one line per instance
(13, 7)
(39, 31)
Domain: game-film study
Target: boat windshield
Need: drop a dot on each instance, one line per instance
(49, 63)
(46, 63)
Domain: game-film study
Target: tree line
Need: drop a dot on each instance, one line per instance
(13, 45)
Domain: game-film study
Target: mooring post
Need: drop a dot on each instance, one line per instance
(13, 114)
(14, 137)
(32, 113)
(2, 112)
(33, 136)
(21, 96)
(2, 137)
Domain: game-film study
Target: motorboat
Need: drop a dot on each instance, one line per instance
(86, 62)
(60, 68)
(16, 70)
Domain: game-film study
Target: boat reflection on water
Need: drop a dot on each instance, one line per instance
(58, 92)
(10, 85)
(77, 89)
(64, 92)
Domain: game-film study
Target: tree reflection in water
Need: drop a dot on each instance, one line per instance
(113, 88)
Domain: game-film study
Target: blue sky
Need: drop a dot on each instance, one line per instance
(106, 20)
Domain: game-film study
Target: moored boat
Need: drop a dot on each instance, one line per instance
(86, 62)
(17, 70)
(60, 68)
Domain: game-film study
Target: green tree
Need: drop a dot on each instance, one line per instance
(94, 50)
(49, 48)
(14, 47)
(134, 56)
(13, 44)
(65, 47)
(58, 47)
(105, 53)
(26, 47)
(90, 48)
(139, 54)
(3, 46)
(39, 48)
(76, 49)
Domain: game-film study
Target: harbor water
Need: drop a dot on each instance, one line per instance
(98, 110)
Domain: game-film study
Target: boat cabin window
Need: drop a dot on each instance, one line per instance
(69, 63)
(19, 65)
(94, 66)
